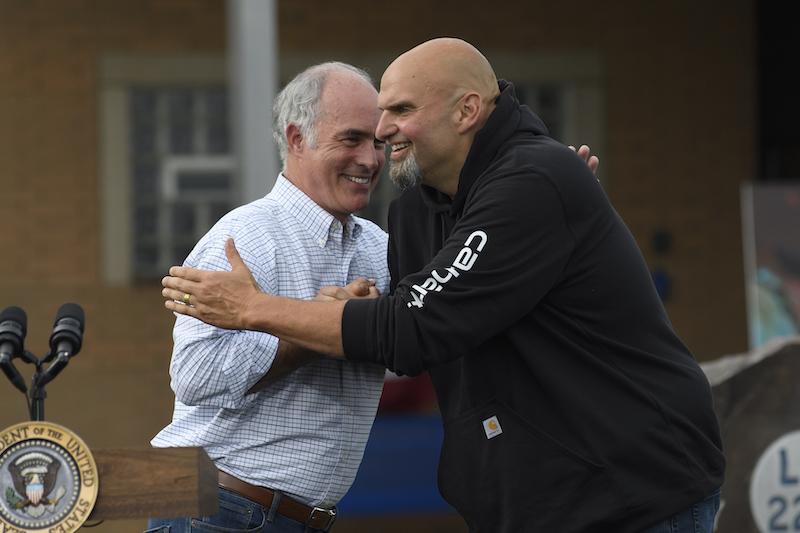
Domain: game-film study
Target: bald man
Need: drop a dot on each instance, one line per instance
(569, 403)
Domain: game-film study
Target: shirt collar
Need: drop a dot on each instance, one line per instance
(321, 224)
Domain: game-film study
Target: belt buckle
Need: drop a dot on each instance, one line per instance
(326, 515)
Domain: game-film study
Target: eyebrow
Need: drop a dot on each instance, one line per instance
(398, 105)
(353, 132)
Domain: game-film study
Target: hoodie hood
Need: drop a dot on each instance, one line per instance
(508, 118)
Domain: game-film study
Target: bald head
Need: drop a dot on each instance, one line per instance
(434, 99)
(447, 65)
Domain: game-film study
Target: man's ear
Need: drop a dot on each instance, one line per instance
(468, 111)
(294, 139)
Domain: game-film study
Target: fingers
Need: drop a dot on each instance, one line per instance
(178, 296)
(360, 286)
(179, 285)
(233, 255)
(593, 163)
(195, 274)
(191, 274)
(362, 281)
(179, 308)
(237, 263)
(585, 153)
(591, 160)
(330, 291)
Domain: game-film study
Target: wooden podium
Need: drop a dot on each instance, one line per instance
(154, 482)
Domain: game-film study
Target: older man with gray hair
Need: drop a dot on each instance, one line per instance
(286, 428)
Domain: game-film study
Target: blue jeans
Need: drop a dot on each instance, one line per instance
(236, 515)
(699, 518)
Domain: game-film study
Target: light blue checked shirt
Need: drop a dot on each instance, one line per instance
(305, 434)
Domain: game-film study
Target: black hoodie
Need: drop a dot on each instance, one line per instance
(568, 402)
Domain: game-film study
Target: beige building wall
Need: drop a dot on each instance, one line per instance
(678, 80)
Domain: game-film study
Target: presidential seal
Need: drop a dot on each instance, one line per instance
(48, 479)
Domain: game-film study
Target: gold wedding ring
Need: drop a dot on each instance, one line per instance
(186, 297)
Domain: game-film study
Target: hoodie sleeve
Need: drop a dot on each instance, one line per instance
(509, 248)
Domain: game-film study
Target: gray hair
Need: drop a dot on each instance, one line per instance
(298, 102)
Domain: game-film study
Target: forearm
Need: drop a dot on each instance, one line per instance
(288, 358)
(313, 325)
(216, 368)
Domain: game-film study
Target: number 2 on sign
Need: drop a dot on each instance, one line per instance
(780, 503)
(777, 522)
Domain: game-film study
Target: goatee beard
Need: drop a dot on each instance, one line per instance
(405, 173)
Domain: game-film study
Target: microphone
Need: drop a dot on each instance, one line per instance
(67, 330)
(13, 328)
(65, 341)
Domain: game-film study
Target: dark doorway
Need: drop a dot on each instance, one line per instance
(779, 90)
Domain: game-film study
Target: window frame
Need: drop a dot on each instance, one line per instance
(118, 74)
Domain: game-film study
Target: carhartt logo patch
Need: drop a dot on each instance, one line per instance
(492, 427)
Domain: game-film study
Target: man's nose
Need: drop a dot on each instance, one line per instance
(386, 128)
(368, 156)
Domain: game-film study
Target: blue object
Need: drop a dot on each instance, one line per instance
(398, 473)
(663, 283)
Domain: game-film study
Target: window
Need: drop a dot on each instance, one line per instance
(167, 170)
(183, 177)
(547, 101)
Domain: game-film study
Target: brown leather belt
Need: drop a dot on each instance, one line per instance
(314, 517)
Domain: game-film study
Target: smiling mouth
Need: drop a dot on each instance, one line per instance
(358, 180)
(399, 147)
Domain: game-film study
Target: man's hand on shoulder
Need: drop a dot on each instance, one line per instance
(217, 298)
(585, 153)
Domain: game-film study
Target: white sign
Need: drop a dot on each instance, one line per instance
(775, 486)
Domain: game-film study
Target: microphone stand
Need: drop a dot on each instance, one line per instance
(37, 392)
(41, 377)
(38, 395)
